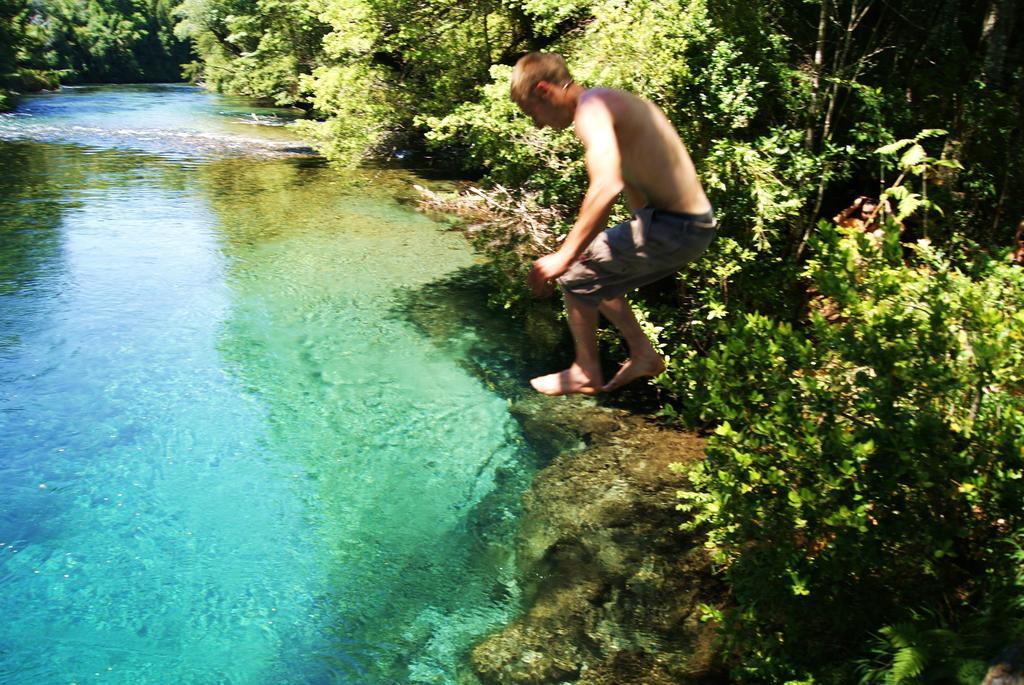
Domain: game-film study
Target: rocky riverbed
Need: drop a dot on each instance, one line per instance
(612, 588)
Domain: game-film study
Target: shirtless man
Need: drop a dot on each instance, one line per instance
(631, 147)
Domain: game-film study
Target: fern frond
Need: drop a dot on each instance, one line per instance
(907, 664)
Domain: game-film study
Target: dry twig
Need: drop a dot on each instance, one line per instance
(497, 219)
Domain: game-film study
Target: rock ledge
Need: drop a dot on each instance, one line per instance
(612, 588)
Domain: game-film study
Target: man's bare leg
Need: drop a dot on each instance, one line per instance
(584, 376)
(643, 360)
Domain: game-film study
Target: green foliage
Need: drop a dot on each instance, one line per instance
(90, 41)
(914, 160)
(925, 649)
(370, 71)
(109, 40)
(873, 459)
(33, 80)
(494, 135)
(262, 49)
(12, 32)
(21, 51)
(355, 95)
(772, 173)
(916, 652)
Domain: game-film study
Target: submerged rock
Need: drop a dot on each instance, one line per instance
(612, 588)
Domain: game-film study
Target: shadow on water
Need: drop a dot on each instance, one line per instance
(33, 199)
(504, 351)
(43, 182)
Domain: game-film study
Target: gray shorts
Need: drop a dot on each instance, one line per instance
(654, 244)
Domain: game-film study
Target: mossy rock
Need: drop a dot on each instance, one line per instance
(612, 589)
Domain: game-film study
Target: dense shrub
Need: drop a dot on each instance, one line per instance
(871, 462)
(261, 49)
(20, 50)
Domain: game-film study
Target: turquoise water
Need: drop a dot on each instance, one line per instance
(175, 121)
(228, 456)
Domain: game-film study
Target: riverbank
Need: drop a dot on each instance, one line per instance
(612, 589)
(25, 81)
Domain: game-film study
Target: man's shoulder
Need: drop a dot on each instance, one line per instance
(621, 106)
(612, 98)
(607, 104)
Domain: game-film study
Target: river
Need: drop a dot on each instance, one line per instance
(230, 453)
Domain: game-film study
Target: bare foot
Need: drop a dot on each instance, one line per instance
(573, 380)
(635, 368)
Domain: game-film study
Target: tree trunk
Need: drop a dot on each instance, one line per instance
(818, 66)
(995, 36)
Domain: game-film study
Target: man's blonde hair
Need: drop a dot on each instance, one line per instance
(535, 67)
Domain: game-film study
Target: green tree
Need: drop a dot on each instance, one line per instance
(22, 62)
(260, 49)
(112, 40)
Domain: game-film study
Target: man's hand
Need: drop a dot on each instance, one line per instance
(545, 270)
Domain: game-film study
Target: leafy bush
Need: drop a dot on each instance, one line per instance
(354, 95)
(493, 134)
(871, 461)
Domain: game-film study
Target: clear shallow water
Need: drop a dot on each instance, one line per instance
(176, 121)
(227, 456)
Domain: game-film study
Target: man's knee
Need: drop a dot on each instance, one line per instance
(574, 300)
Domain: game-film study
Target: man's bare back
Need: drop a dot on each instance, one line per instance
(656, 168)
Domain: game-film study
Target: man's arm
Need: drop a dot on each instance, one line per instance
(596, 129)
